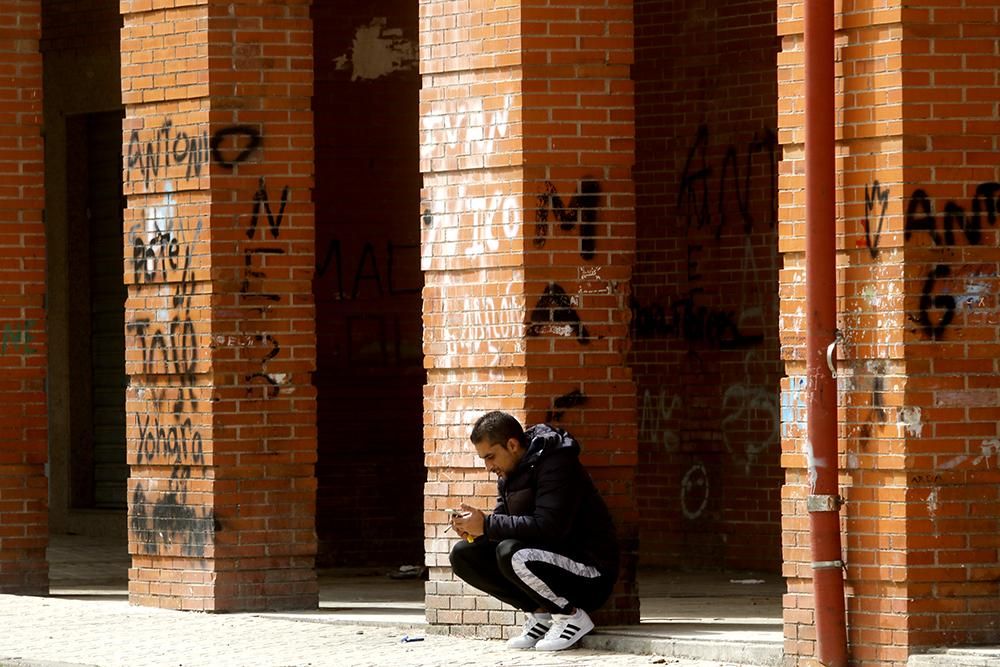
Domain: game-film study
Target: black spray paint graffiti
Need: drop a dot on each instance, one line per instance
(18, 334)
(687, 320)
(565, 402)
(174, 348)
(271, 385)
(582, 210)
(876, 201)
(367, 272)
(943, 302)
(240, 133)
(260, 198)
(554, 313)
(920, 218)
(154, 259)
(694, 205)
(253, 278)
(250, 288)
(171, 520)
(190, 151)
(179, 443)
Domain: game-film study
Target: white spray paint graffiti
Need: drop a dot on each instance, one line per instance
(492, 218)
(656, 417)
(745, 405)
(694, 491)
(990, 451)
(467, 130)
(485, 324)
(932, 501)
(484, 218)
(378, 51)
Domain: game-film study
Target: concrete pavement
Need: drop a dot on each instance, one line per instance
(106, 631)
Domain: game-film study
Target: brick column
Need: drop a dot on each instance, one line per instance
(951, 411)
(527, 137)
(23, 411)
(918, 252)
(220, 322)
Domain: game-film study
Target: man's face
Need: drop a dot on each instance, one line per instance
(500, 458)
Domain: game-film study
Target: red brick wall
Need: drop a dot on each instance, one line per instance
(704, 305)
(949, 199)
(916, 376)
(220, 341)
(527, 145)
(370, 372)
(579, 151)
(23, 417)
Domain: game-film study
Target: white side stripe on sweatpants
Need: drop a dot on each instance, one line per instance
(519, 561)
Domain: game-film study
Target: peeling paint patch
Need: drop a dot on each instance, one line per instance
(991, 449)
(932, 501)
(813, 464)
(909, 418)
(378, 51)
(967, 397)
(793, 407)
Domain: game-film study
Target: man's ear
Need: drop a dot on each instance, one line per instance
(513, 445)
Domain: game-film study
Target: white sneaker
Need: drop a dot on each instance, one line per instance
(566, 630)
(535, 627)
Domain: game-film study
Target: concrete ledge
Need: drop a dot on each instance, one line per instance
(985, 656)
(743, 653)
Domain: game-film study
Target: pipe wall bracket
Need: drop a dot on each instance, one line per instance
(824, 503)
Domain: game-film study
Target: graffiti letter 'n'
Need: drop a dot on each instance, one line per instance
(261, 198)
(876, 198)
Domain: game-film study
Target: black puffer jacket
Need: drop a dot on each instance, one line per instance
(549, 501)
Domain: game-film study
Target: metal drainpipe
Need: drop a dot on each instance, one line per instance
(821, 323)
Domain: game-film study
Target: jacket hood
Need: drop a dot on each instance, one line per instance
(543, 440)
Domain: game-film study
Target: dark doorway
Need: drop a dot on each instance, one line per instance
(97, 379)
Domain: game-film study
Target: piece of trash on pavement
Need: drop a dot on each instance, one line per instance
(408, 638)
(409, 572)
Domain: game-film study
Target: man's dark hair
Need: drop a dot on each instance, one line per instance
(496, 427)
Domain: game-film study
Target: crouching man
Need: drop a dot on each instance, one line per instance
(548, 548)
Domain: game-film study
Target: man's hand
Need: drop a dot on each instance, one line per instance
(470, 523)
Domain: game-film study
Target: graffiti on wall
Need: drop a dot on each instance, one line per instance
(187, 151)
(165, 517)
(659, 417)
(695, 489)
(938, 300)
(17, 338)
(375, 274)
(581, 211)
(555, 313)
(491, 220)
(876, 204)
(726, 205)
(707, 192)
(567, 401)
(171, 519)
